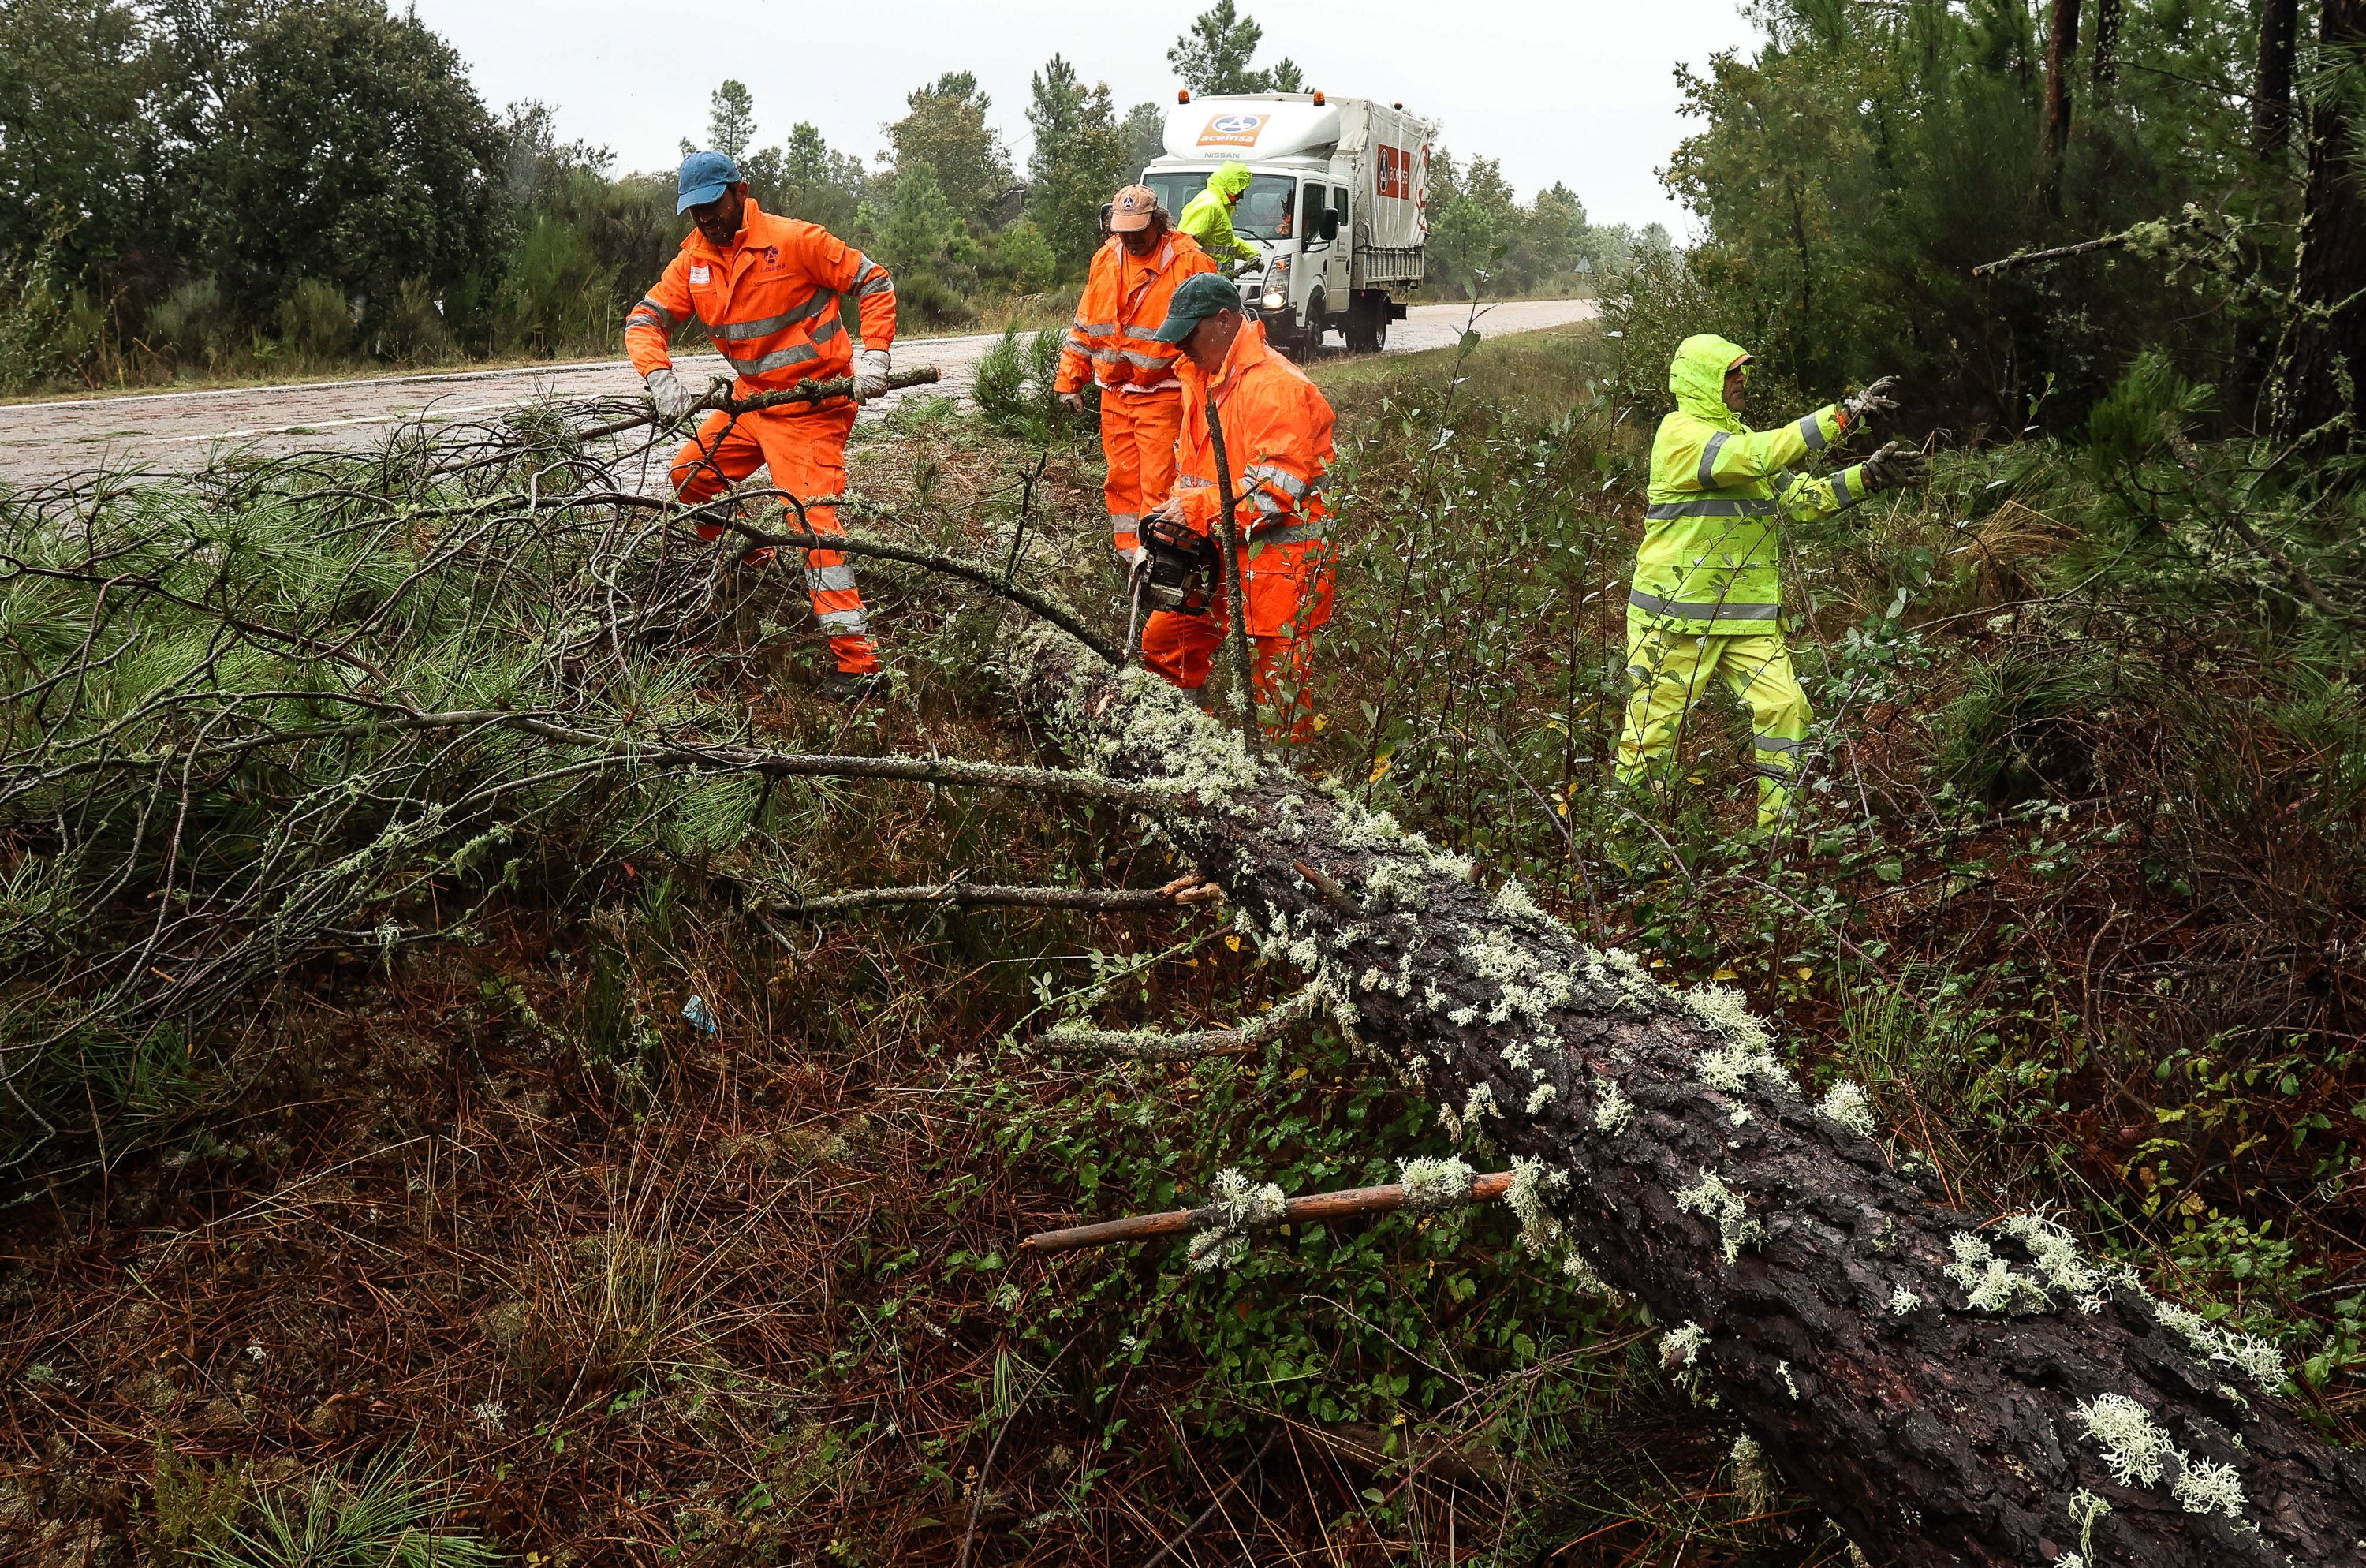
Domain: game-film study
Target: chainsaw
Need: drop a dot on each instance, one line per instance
(1182, 565)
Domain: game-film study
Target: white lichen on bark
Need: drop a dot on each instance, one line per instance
(1434, 1186)
(1611, 1110)
(1241, 1208)
(1531, 1184)
(2254, 1356)
(1846, 1104)
(1714, 1200)
(2136, 1448)
(1987, 1281)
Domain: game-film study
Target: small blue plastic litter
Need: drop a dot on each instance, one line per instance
(699, 1016)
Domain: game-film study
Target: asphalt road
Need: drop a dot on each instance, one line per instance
(182, 429)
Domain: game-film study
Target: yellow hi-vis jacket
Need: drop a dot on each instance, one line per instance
(1708, 561)
(1208, 217)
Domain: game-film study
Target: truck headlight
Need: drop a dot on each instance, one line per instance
(1277, 284)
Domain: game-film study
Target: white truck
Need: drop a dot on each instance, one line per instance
(1338, 202)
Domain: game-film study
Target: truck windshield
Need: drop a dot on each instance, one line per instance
(1262, 213)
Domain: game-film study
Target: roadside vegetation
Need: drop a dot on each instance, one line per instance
(163, 222)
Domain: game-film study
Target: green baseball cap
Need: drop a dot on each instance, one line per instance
(1201, 296)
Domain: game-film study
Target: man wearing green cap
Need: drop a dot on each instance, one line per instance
(1706, 602)
(1208, 217)
(1277, 447)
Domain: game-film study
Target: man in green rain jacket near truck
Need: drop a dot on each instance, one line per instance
(1706, 601)
(1208, 217)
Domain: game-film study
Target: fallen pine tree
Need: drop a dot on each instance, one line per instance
(1948, 1386)
(376, 699)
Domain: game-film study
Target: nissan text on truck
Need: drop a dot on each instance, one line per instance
(1337, 200)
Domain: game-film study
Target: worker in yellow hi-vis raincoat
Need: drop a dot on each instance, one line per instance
(1706, 602)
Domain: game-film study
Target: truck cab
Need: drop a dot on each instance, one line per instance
(1334, 207)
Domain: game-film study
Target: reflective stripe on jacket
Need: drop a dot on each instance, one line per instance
(1124, 303)
(1717, 492)
(1276, 438)
(769, 303)
(1208, 217)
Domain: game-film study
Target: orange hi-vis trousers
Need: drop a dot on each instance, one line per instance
(1286, 589)
(806, 454)
(1138, 431)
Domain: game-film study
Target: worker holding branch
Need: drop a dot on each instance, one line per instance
(1115, 343)
(1277, 432)
(1706, 601)
(768, 291)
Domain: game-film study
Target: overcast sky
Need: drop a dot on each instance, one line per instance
(1581, 91)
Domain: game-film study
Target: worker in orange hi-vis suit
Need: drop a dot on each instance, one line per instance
(1278, 444)
(1114, 342)
(767, 290)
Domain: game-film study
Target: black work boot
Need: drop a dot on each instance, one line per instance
(849, 687)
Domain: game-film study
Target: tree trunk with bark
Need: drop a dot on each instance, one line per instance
(1916, 1369)
(2272, 83)
(2104, 69)
(2326, 338)
(2061, 55)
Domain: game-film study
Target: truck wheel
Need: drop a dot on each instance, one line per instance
(1368, 324)
(1317, 323)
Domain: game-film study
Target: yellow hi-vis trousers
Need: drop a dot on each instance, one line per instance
(1670, 670)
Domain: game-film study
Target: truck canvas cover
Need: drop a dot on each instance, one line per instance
(1382, 152)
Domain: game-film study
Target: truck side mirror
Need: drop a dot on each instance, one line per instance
(1330, 226)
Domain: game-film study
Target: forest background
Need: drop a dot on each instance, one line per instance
(209, 187)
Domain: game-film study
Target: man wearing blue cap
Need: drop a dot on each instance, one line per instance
(768, 292)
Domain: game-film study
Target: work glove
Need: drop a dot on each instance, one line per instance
(871, 375)
(1075, 401)
(671, 400)
(1874, 399)
(1894, 467)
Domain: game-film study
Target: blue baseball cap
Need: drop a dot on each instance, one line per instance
(704, 178)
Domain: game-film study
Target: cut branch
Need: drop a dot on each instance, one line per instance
(2059, 252)
(1151, 1045)
(1315, 1206)
(1181, 893)
(804, 392)
(1944, 1384)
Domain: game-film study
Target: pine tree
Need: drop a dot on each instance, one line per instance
(1078, 161)
(730, 119)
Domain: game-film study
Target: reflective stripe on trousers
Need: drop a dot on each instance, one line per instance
(805, 456)
(1670, 670)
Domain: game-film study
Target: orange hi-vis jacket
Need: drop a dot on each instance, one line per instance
(1276, 438)
(769, 303)
(1124, 303)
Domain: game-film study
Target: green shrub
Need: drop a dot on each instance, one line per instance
(315, 323)
(191, 326)
(39, 338)
(409, 328)
(558, 293)
(1014, 383)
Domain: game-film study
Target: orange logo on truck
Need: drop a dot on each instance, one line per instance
(1395, 173)
(1232, 131)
